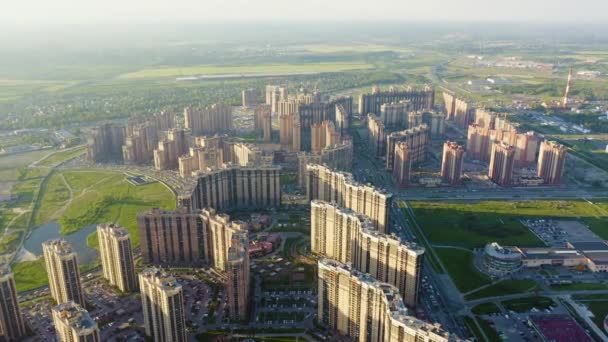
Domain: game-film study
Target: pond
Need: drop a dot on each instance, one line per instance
(78, 240)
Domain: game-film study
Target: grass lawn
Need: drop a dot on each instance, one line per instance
(473, 224)
(526, 304)
(61, 156)
(10, 165)
(503, 288)
(469, 323)
(459, 265)
(100, 196)
(485, 309)
(579, 287)
(30, 274)
(599, 309)
(208, 69)
(490, 332)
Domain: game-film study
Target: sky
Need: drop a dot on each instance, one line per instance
(33, 13)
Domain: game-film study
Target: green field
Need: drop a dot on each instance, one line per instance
(473, 224)
(504, 288)
(579, 287)
(526, 304)
(11, 165)
(61, 156)
(598, 305)
(30, 274)
(97, 197)
(161, 72)
(459, 264)
(486, 309)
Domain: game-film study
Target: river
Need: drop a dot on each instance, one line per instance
(78, 240)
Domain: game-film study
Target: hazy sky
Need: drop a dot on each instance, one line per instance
(42, 12)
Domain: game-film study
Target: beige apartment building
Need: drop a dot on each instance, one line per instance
(162, 301)
(116, 255)
(12, 327)
(62, 268)
(377, 134)
(73, 323)
(421, 99)
(325, 184)
(351, 238)
(381, 317)
(452, 162)
(501, 164)
(402, 168)
(237, 270)
(416, 139)
(551, 161)
(209, 120)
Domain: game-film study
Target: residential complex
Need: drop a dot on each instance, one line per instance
(186, 237)
(551, 161)
(73, 323)
(416, 139)
(209, 120)
(235, 187)
(170, 148)
(12, 327)
(458, 110)
(451, 162)
(377, 135)
(63, 272)
(163, 306)
(501, 164)
(423, 99)
(323, 183)
(263, 122)
(348, 237)
(381, 317)
(116, 256)
(105, 142)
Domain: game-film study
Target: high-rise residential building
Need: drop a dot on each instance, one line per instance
(451, 162)
(417, 140)
(419, 99)
(551, 161)
(414, 119)
(324, 135)
(396, 114)
(485, 118)
(351, 238)
(162, 301)
(480, 140)
(186, 237)
(402, 165)
(358, 306)
(235, 187)
(263, 122)
(237, 270)
(12, 327)
(323, 183)
(526, 148)
(377, 135)
(142, 138)
(338, 157)
(117, 256)
(342, 118)
(458, 110)
(105, 142)
(436, 123)
(199, 159)
(501, 164)
(209, 120)
(170, 148)
(63, 271)
(249, 97)
(286, 128)
(74, 324)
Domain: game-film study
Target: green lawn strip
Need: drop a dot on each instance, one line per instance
(590, 297)
(55, 196)
(30, 275)
(503, 288)
(598, 225)
(486, 309)
(599, 308)
(61, 156)
(473, 224)
(579, 287)
(430, 252)
(490, 332)
(459, 264)
(469, 323)
(526, 304)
